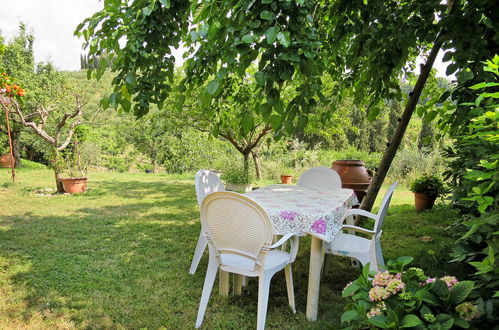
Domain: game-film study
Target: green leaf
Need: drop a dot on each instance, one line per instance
(165, 3)
(461, 323)
(484, 84)
(440, 288)
(104, 102)
(446, 321)
(275, 121)
(284, 38)
(464, 76)
(267, 15)
(410, 321)
(427, 297)
(265, 110)
(246, 124)
(350, 290)
(349, 316)
(271, 34)
(365, 270)
(460, 291)
(378, 321)
(125, 104)
(261, 78)
(273, 97)
(248, 38)
(212, 87)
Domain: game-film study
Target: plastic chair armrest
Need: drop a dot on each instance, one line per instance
(282, 240)
(362, 213)
(358, 229)
(293, 238)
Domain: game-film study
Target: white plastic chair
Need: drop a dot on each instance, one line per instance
(206, 182)
(323, 178)
(239, 234)
(363, 249)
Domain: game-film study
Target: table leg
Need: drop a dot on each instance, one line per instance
(314, 278)
(223, 283)
(238, 284)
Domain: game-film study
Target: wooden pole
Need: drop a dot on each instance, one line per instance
(403, 122)
(12, 160)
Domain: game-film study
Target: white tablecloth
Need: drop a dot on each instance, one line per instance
(300, 210)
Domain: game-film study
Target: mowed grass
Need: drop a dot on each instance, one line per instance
(118, 257)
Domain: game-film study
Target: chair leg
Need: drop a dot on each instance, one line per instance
(198, 253)
(211, 274)
(263, 299)
(245, 281)
(289, 285)
(326, 266)
(379, 256)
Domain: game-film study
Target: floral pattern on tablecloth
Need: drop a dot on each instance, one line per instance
(300, 210)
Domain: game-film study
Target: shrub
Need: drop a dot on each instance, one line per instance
(406, 299)
(429, 185)
(237, 175)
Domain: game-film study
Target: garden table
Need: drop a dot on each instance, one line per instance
(303, 211)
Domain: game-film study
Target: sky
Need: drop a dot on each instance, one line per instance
(53, 23)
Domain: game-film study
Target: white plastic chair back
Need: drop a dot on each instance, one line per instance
(207, 182)
(323, 178)
(384, 208)
(239, 229)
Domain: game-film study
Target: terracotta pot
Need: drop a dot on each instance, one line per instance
(423, 201)
(354, 175)
(74, 185)
(5, 160)
(286, 179)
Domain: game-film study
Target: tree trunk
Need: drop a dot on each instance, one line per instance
(155, 167)
(391, 150)
(246, 163)
(57, 172)
(257, 165)
(16, 136)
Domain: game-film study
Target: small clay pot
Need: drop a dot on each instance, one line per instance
(74, 185)
(424, 201)
(6, 160)
(286, 179)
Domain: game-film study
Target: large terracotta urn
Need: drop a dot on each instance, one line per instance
(5, 160)
(354, 175)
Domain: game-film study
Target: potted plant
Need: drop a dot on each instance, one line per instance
(237, 179)
(75, 163)
(287, 178)
(398, 298)
(426, 189)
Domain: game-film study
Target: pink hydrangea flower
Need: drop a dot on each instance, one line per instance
(378, 293)
(430, 280)
(319, 226)
(450, 281)
(467, 311)
(395, 286)
(377, 310)
(382, 279)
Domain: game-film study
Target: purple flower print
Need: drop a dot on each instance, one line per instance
(288, 215)
(319, 226)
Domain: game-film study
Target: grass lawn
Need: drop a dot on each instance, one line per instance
(118, 257)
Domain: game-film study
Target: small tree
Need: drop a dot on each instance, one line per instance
(54, 124)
